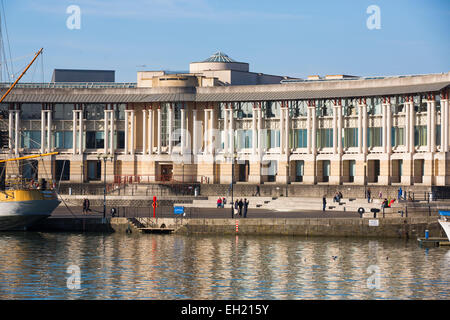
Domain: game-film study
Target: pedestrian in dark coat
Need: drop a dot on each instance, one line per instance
(86, 205)
(246, 202)
(324, 201)
(240, 204)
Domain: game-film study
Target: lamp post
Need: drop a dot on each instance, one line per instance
(104, 157)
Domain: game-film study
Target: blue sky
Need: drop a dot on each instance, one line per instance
(286, 37)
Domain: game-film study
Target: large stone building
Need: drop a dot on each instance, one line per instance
(191, 127)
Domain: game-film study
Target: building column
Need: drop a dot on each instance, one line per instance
(254, 130)
(111, 130)
(389, 129)
(225, 131)
(194, 132)
(170, 114)
(42, 131)
(106, 131)
(384, 127)
(144, 131)
(444, 125)
(411, 124)
(314, 130)
(260, 133)
(17, 134)
(364, 128)
(287, 130)
(126, 131)
(211, 132)
(407, 127)
(49, 131)
(282, 128)
(335, 127)
(231, 130)
(183, 134)
(433, 125)
(80, 132)
(133, 119)
(308, 130)
(360, 129)
(150, 130)
(74, 133)
(159, 130)
(205, 132)
(339, 125)
(11, 125)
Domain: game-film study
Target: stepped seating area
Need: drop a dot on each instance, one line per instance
(301, 204)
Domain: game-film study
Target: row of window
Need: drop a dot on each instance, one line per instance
(324, 137)
(243, 138)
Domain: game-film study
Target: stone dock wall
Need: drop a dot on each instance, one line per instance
(411, 227)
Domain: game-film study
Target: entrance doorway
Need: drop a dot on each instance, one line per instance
(166, 172)
(94, 170)
(373, 170)
(243, 171)
(299, 170)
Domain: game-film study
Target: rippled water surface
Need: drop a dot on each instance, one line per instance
(115, 266)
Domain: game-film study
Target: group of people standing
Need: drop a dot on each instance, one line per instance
(241, 207)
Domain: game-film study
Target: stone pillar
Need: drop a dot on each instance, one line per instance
(11, 126)
(106, 132)
(364, 128)
(205, 132)
(43, 131)
(126, 131)
(444, 125)
(211, 132)
(339, 125)
(80, 132)
(17, 134)
(150, 130)
(433, 125)
(282, 128)
(144, 131)
(194, 133)
(360, 128)
(411, 123)
(132, 131)
(49, 131)
(389, 129)
(254, 131)
(183, 133)
(159, 130)
(286, 132)
(260, 134)
(111, 131)
(335, 128)
(308, 130)
(225, 131)
(74, 133)
(314, 130)
(170, 127)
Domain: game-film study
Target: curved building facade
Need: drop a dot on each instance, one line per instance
(380, 131)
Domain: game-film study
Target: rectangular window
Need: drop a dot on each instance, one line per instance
(62, 168)
(244, 139)
(64, 139)
(31, 139)
(350, 137)
(273, 139)
(94, 111)
(120, 142)
(397, 136)
(438, 135)
(95, 140)
(300, 138)
(63, 111)
(420, 136)
(31, 111)
(375, 137)
(324, 138)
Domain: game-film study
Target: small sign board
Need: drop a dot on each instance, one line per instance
(178, 210)
(373, 223)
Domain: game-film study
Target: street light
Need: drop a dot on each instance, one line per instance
(104, 157)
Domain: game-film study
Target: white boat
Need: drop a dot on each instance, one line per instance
(444, 221)
(21, 208)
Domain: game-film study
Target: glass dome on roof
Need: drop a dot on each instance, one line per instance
(219, 57)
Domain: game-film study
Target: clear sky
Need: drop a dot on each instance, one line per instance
(283, 37)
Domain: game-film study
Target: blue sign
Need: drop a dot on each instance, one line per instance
(178, 210)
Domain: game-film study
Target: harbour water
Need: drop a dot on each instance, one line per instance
(117, 266)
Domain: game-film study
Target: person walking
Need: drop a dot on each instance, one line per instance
(240, 204)
(236, 207)
(369, 193)
(219, 202)
(86, 205)
(257, 194)
(246, 202)
(324, 201)
(400, 192)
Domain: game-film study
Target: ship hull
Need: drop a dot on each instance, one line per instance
(18, 215)
(446, 226)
